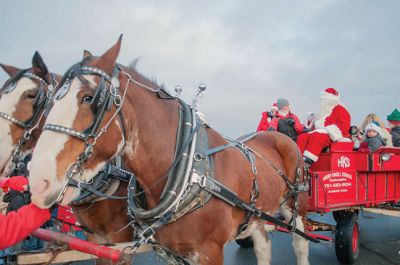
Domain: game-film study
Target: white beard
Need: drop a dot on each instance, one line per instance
(326, 108)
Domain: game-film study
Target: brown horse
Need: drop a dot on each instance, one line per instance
(144, 134)
(21, 112)
(23, 99)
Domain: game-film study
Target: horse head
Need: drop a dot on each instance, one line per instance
(23, 99)
(86, 105)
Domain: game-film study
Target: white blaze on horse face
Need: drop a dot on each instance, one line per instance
(43, 176)
(8, 105)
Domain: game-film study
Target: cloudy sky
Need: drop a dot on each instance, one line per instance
(248, 53)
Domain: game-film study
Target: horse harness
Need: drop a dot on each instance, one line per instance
(40, 103)
(190, 182)
(104, 98)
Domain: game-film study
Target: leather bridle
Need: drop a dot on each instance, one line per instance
(106, 95)
(40, 103)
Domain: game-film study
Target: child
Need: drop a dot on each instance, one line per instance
(394, 123)
(356, 136)
(373, 138)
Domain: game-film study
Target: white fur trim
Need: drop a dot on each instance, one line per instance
(344, 140)
(322, 130)
(329, 96)
(374, 127)
(334, 132)
(310, 155)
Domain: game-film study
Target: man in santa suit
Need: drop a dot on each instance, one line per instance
(332, 125)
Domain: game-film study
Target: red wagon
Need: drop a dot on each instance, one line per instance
(344, 181)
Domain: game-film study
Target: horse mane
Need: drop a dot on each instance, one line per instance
(140, 77)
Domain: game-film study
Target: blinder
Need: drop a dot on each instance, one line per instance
(101, 102)
(39, 102)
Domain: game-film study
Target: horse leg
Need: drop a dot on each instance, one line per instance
(210, 253)
(262, 246)
(300, 244)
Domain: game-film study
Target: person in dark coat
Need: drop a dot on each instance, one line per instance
(373, 140)
(394, 123)
(285, 121)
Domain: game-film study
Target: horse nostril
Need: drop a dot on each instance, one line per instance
(47, 184)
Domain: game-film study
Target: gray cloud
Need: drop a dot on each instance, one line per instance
(248, 53)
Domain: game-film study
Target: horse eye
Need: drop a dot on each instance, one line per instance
(87, 99)
(31, 94)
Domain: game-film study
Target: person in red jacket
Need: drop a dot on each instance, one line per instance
(332, 125)
(285, 121)
(17, 225)
(267, 116)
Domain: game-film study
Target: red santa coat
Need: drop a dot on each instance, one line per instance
(329, 128)
(336, 124)
(15, 226)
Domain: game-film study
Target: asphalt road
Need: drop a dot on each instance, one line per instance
(379, 244)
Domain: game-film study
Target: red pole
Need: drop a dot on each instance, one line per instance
(78, 244)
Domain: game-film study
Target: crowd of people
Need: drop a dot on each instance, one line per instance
(331, 125)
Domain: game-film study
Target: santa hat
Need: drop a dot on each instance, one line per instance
(330, 93)
(374, 127)
(274, 107)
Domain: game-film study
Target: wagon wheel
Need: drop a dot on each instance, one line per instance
(342, 213)
(245, 242)
(347, 238)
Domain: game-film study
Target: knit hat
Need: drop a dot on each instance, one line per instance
(281, 103)
(394, 117)
(374, 127)
(274, 107)
(330, 93)
(18, 183)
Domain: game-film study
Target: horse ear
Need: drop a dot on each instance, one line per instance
(110, 56)
(37, 62)
(86, 54)
(10, 70)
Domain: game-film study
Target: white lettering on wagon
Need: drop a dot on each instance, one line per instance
(337, 181)
(343, 162)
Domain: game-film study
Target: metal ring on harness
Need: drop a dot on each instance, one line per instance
(117, 100)
(198, 157)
